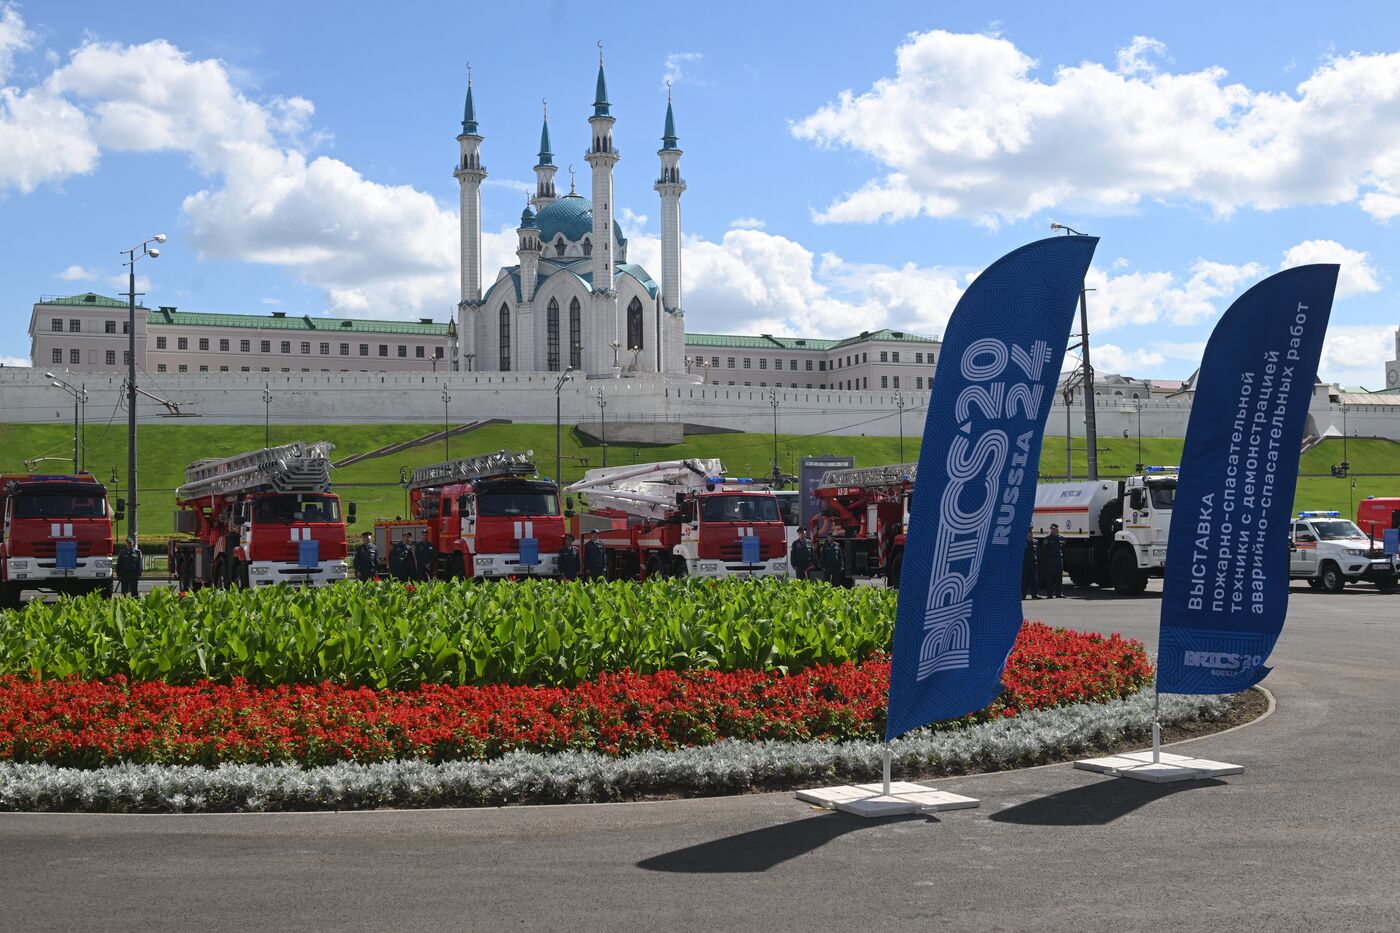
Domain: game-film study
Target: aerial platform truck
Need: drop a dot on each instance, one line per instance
(258, 518)
(56, 535)
(866, 511)
(485, 516)
(679, 518)
(1115, 531)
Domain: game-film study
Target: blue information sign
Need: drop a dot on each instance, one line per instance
(65, 555)
(749, 552)
(529, 551)
(308, 553)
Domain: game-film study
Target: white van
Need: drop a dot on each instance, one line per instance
(1330, 551)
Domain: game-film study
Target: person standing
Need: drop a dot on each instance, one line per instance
(402, 563)
(833, 563)
(1030, 567)
(800, 557)
(1053, 551)
(569, 563)
(425, 557)
(128, 568)
(595, 558)
(366, 558)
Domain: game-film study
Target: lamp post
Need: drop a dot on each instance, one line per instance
(1137, 403)
(144, 248)
(899, 403)
(1091, 431)
(267, 415)
(446, 450)
(469, 357)
(603, 420)
(705, 365)
(564, 377)
(79, 399)
(773, 400)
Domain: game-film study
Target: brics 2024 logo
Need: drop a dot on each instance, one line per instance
(1221, 663)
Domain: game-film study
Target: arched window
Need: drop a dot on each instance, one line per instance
(552, 334)
(559, 247)
(575, 335)
(634, 325)
(587, 247)
(505, 338)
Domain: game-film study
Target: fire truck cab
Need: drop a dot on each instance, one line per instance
(56, 535)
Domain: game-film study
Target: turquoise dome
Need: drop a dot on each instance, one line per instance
(571, 217)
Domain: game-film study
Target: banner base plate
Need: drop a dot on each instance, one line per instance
(869, 800)
(1140, 767)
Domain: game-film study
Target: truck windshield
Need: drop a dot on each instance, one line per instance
(283, 510)
(59, 506)
(1163, 493)
(739, 509)
(1338, 530)
(517, 502)
(788, 506)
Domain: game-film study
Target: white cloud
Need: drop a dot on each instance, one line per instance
(1143, 298)
(1355, 355)
(76, 273)
(967, 128)
(121, 283)
(12, 361)
(675, 69)
(747, 223)
(14, 37)
(1111, 358)
(1356, 276)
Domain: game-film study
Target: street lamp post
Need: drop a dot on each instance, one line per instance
(79, 400)
(603, 421)
(1137, 403)
(267, 415)
(705, 365)
(446, 450)
(1091, 432)
(773, 400)
(899, 403)
(558, 426)
(133, 254)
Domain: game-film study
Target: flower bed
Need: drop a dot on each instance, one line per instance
(94, 723)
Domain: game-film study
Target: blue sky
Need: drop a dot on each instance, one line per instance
(846, 170)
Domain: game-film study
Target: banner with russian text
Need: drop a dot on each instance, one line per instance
(960, 591)
(1225, 592)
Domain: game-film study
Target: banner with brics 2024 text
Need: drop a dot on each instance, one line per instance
(1225, 594)
(959, 595)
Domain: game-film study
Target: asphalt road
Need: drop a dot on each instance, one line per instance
(1307, 838)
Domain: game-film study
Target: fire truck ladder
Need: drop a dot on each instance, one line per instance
(297, 467)
(890, 475)
(500, 463)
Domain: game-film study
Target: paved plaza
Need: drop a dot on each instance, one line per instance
(1308, 838)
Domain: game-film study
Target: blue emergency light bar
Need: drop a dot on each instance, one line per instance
(1161, 469)
(1319, 514)
(728, 479)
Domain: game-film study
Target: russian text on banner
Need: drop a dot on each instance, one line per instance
(1225, 592)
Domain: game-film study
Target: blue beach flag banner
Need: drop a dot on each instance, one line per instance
(1225, 592)
(960, 592)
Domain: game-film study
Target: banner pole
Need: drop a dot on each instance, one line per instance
(885, 767)
(1156, 719)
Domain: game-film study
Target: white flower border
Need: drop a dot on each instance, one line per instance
(578, 777)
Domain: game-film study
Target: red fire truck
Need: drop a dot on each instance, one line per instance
(1375, 514)
(865, 511)
(485, 517)
(262, 517)
(57, 535)
(682, 518)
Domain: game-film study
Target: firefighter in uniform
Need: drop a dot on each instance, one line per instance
(801, 556)
(569, 563)
(595, 558)
(833, 568)
(425, 557)
(402, 564)
(1052, 555)
(366, 558)
(1030, 567)
(128, 567)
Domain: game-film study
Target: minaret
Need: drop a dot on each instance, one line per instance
(545, 169)
(528, 252)
(469, 174)
(602, 157)
(670, 186)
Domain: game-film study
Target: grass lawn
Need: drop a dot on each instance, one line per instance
(373, 484)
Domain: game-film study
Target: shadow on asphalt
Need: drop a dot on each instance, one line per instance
(1094, 804)
(762, 849)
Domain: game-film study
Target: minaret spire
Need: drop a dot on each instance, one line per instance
(670, 186)
(600, 94)
(469, 173)
(604, 330)
(545, 168)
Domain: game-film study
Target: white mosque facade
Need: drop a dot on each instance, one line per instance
(572, 301)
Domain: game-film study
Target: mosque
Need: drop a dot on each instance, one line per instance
(573, 301)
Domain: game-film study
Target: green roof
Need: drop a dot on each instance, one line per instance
(86, 300)
(305, 322)
(769, 342)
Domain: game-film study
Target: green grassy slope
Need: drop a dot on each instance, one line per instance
(372, 484)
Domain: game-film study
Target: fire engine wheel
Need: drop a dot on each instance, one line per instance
(1332, 579)
(240, 574)
(1128, 579)
(457, 567)
(218, 580)
(896, 568)
(678, 568)
(654, 567)
(1080, 577)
